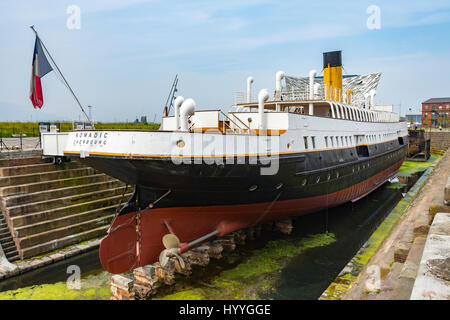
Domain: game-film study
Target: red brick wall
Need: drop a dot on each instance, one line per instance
(427, 114)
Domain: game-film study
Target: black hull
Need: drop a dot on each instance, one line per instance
(300, 175)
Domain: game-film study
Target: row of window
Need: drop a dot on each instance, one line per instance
(354, 169)
(440, 107)
(433, 115)
(309, 142)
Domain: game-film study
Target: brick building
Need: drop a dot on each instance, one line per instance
(436, 112)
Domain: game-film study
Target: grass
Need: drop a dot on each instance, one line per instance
(31, 129)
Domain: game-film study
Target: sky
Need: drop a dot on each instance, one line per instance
(121, 56)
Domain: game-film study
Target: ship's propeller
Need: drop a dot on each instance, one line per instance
(171, 243)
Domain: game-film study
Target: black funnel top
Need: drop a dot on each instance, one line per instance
(332, 58)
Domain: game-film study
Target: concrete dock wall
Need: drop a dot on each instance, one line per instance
(440, 140)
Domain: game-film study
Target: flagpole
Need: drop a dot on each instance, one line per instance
(59, 71)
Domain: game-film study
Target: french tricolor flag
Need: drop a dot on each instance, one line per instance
(39, 69)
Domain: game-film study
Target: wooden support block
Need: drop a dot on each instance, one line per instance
(121, 294)
(186, 270)
(284, 226)
(146, 275)
(227, 244)
(196, 258)
(215, 250)
(239, 237)
(122, 282)
(166, 274)
(143, 292)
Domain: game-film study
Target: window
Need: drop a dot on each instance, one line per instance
(305, 139)
(426, 107)
(313, 139)
(332, 141)
(326, 142)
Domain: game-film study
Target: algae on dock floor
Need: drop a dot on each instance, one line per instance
(93, 287)
(410, 167)
(256, 274)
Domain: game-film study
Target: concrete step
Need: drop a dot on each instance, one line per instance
(59, 193)
(62, 202)
(8, 162)
(53, 184)
(63, 242)
(12, 256)
(45, 176)
(44, 226)
(5, 234)
(8, 245)
(36, 168)
(47, 215)
(61, 233)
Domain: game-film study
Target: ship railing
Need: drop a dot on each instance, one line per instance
(191, 123)
(238, 128)
(239, 97)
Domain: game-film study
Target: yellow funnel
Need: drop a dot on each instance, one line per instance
(332, 75)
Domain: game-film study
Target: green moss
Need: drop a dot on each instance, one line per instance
(92, 288)
(410, 167)
(268, 259)
(256, 274)
(195, 294)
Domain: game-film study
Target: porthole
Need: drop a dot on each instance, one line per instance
(180, 144)
(253, 188)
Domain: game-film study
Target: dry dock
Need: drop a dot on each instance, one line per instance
(401, 260)
(399, 265)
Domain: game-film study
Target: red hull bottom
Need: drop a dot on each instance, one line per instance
(135, 239)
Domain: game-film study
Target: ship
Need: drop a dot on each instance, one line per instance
(315, 142)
